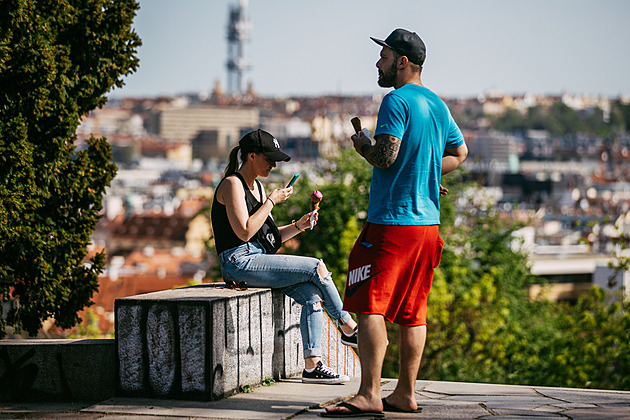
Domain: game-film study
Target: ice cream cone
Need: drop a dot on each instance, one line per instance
(316, 197)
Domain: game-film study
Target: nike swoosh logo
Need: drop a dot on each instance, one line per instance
(352, 290)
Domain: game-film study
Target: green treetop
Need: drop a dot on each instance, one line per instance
(58, 59)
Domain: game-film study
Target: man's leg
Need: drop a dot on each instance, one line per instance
(412, 340)
(372, 348)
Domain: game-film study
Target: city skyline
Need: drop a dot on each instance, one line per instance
(318, 48)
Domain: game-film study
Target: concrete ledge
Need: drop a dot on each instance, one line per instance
(57, 370)
(205, 342)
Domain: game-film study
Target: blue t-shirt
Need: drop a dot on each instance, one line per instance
(407, 193)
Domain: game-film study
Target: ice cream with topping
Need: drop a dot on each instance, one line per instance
(316, 197)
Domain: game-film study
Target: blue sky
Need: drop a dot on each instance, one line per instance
(301, 47)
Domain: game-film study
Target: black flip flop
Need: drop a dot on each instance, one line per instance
(354, 412)
(392, 408)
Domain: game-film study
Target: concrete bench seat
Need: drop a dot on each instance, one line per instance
(204, 342)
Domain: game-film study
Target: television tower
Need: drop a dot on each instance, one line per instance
(238, 33)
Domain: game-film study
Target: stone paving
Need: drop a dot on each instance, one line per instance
(486, 401)
(291, 399)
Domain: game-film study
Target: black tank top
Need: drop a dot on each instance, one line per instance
(224, 236)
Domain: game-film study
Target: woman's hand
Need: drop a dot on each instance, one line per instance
(278, 196)
(305, 221)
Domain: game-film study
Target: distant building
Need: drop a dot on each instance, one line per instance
(227, 124)
(492, 151)
(110, 120)
(569, 273)
(205, 146)
(185, 229)
(294, 135)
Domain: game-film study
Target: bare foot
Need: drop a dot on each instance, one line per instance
(359, 402)
(405, 404)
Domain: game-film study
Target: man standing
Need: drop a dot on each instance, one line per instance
(391, 265)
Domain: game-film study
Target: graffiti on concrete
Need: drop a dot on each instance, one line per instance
(18, 378)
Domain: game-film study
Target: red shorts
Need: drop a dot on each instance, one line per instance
(390, 272)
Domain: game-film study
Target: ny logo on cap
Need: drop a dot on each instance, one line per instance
(275, 143)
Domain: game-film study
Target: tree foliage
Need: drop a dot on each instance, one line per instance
(479, 297)
(595, 350)
(559, 119)
(58, 59)
(482, 326)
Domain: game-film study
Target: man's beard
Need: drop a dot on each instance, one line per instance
(388, 79)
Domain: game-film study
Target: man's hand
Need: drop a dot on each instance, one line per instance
(359, 140)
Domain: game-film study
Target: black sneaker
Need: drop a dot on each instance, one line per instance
(350, 340)
(322, 374)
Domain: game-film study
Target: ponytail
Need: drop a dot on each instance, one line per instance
(232, 165)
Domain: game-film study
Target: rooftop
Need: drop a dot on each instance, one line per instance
(292, 399)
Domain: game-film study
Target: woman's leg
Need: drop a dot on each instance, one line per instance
(299, 278)
(278, 271)
(248, 262)
(311, 327)
(333, 304)
(311, 320)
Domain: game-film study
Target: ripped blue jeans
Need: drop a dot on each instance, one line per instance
(297, 277)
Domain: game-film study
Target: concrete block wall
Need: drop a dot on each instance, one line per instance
(57, 370)
(205, 342)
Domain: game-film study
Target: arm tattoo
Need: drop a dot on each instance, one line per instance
(383, 154)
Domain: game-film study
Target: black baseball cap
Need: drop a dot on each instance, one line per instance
(405, 43)
(260, 141)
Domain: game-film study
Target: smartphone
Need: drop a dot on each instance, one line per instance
(295, 177)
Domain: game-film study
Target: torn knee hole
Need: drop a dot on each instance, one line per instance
(327, 278)
(322, 270)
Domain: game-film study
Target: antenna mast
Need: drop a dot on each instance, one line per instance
(238, 33)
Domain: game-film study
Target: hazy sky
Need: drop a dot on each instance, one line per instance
(322, 46)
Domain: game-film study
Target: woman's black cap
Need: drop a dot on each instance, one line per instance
(260, 141)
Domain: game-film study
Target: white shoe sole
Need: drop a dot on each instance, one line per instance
(341, 379)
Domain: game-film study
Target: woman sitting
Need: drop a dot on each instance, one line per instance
(247, 238)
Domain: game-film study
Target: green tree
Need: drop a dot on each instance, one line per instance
(624, 114)
(596, 350)
(482, 326)
(564, 120)
(536, 118)
(619, 121)
(58, 59)
(510, 120)
(559, 119)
